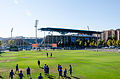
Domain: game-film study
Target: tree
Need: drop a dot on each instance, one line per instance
(113, 36)
(77, 43)
(113, 42)
(90, 44)
(85, 44)
(11, 42)
(80, 43)
(102, 42)
(99, 42)
(88, 41)
(109, 42)
(1, 43)
(117, 43)
(95, 44)
(77, 40)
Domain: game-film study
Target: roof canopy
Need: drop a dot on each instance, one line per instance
(65, 31)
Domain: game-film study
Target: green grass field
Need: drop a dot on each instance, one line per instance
(85, 64)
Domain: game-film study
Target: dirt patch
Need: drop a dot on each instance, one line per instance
(2, 61)
(26, 57)
(8, 56)
(4, 70)
(48, 58)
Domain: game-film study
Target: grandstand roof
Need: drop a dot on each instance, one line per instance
(65, 31)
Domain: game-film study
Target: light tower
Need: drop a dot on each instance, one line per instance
(11, 33)
(36, 23)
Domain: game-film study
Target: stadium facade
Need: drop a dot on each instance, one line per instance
(67, 37)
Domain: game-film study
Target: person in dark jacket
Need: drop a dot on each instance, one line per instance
(11, 74)
(40, 77)
(39, 63)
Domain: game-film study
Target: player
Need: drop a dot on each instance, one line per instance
(65, 72)
(60, 72)
(17, 69)
(21, 75)
(39, 63)
(47, 54)
(58, 67)
(28, 72)
(51, 54)
(47, 69)
(70, 70)
(11, 74)
(40, 77)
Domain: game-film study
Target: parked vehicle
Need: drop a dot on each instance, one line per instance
(112, 47)
(105, 47)
(118, 47)
(13, 48)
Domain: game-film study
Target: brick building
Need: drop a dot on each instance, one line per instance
(110, 34)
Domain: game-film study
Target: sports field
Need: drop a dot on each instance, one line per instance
(85, 64)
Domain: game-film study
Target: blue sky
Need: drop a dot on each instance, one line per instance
(21, 15)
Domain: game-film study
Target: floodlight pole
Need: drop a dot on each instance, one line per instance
(64, 41)
(97, 42)
(36, 23)
(44, 40)
(11, 33)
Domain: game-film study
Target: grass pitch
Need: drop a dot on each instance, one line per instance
(85, 64)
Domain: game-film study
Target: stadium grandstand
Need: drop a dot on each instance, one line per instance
(67, 37)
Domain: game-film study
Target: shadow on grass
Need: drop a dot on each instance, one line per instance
(42, 67)
(68, 77)
(1, 77)
(51, 76)
(75, 77)
(2, 52)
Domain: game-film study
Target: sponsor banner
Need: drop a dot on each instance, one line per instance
(54, 45)
(87, 39)
(73, 39)
(34, 45)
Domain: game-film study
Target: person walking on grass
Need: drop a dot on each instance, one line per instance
(39, 63)
(51, 54)
(17, 69)
(60, 72)
(40, 77)
(47, 54)
(70, 70)
(58, 67)
(47, 69)
(21, 75)
(11, 74)
(28, 72)
(65, 72)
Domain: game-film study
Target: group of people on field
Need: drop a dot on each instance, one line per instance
(65, 71)
(50, 54)
(46, 71)
(20, 74)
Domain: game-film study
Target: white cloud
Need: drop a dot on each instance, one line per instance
(16, 2)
